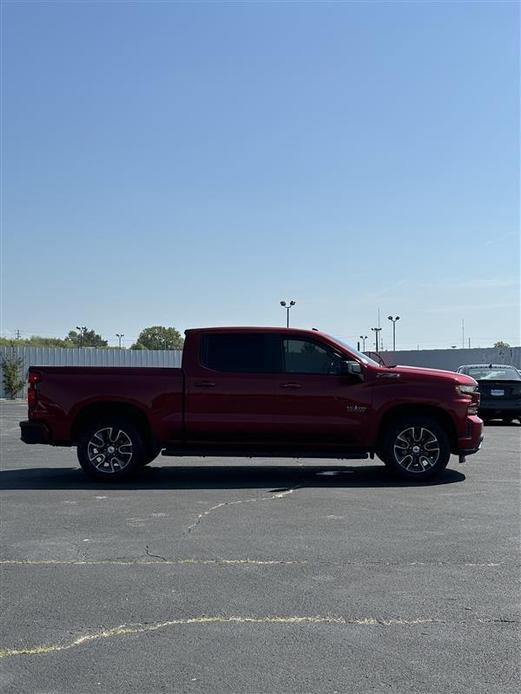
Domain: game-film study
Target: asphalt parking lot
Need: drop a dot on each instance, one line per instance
(281, 576)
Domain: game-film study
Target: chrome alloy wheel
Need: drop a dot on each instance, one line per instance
(416, 449)
(109, 450)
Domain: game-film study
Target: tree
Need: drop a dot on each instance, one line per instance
(33, 341)
(159, 337)
(501, 345)
(12, 378)
(84, 338)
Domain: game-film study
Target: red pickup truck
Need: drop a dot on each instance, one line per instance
(256, 392)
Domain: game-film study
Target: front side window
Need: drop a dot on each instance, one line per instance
(239, 352)
(307, 357)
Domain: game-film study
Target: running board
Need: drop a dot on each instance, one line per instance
(218, 452)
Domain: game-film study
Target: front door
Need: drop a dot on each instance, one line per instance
(317, 402)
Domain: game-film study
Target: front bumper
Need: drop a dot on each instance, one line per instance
(471, 442)
(34, 432)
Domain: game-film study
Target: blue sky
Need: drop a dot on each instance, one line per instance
(193, 164)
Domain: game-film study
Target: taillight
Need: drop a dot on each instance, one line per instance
(34, 377)
(32, 392)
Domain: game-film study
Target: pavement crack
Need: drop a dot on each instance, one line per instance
(276, 494)
(147, 627)
(154, 556)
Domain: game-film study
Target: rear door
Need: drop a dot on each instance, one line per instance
(230, 386)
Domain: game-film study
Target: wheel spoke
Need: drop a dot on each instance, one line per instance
(416, 449)
(110, 450)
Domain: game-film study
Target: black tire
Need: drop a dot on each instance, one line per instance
(97, 459)
(415, 448)
(507, 420)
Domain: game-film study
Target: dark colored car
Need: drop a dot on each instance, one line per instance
(256, 392)
(500, 388)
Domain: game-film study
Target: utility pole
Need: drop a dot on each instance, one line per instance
(120, 336)
(363, 338)
(82, 330)
(463, 333)
(376, 331)
(287, 306)
(17, 334)
(394, 329)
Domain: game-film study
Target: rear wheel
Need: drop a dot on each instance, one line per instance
(415, 448)
(111, 449)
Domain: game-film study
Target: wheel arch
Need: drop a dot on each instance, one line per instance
(437, 413)
(98, 410)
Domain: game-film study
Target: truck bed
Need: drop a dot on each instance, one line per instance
(67, 394)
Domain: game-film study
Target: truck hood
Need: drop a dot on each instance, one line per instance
(417, 373)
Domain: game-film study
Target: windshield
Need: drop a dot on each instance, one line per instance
(363, 357)
(494, 373)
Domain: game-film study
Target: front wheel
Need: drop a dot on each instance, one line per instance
(415, 448)
(111, 450)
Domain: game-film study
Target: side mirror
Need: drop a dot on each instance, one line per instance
(351, 368)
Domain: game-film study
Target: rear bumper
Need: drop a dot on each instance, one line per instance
(489, 409)
(34, 432)
(471, 442)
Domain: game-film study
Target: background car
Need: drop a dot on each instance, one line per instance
(500, 389)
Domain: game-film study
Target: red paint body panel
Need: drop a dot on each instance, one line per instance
(199, 405)
(64, 392)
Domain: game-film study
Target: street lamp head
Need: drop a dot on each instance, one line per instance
(389, 317)
(292, 303)
(397, 318)
(282, 303)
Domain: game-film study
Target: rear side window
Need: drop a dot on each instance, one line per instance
(241, 352)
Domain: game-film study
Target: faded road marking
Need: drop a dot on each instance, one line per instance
(143, 562)
(278, 495)
(225, 562)
(135, 629)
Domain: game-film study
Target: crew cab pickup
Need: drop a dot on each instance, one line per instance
(256, 392)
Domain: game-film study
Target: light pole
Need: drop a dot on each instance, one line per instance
(287, 306)
(393, 320)
(376, 332)
(363, 338)
(83, 330)
(120, 336)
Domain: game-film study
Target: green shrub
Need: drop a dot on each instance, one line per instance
(12, 376)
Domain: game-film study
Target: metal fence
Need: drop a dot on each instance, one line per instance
(57, 356)
(451, 359)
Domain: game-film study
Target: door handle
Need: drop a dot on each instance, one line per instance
(294, 386)
(204, 384)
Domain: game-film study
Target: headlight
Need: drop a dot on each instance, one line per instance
(466, 390)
